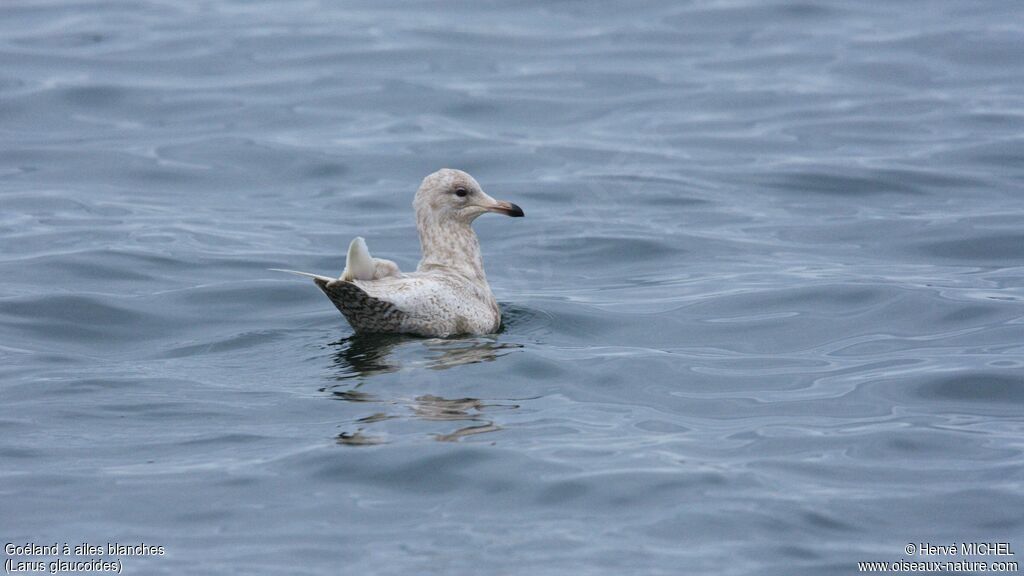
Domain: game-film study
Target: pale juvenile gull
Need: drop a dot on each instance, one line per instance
(448, 293)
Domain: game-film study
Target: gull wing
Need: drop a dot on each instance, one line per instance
(364, 312)
(428, 304)
(436, 304)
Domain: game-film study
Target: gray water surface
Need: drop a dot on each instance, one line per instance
(764, 314)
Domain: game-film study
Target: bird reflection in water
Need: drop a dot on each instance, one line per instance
(362, 356)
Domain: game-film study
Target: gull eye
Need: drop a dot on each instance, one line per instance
(461, 192)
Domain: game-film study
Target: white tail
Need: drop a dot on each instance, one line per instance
(359, 265)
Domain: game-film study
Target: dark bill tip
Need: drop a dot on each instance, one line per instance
(508, 209)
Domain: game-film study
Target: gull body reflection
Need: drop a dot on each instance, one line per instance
(362, 357)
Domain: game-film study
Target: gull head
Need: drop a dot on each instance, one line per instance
(452, 196)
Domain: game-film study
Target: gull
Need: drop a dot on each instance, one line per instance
(448, 293)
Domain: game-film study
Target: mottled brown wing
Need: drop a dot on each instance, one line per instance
(364, 312)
